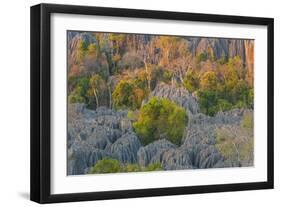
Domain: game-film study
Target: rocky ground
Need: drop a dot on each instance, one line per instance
(102, 133)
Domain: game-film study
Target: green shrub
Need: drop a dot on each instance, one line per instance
(208, 102)
(153, 167)
(76, 98)
(224, 105)
(160, 118)
(79, 94)
(109, 165)
(132, 168)
(133, 115)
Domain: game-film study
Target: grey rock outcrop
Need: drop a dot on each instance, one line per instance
(227, 48)
(73, 40)
(178, 95)
(198, 150)
(153, 152)
(81, 156)
(200, 138)
(94, 135)
(125, 148)
(105, 133)
(177, 159)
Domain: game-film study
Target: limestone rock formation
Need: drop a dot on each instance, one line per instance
(94, 135)
(227, 48)
(178, 95)
(125, 148)
(153, 152)
(198, 150)
(105, 133)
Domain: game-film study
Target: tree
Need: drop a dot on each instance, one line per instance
(236, 63)
(98, 90)
(79, 93)
(129, 94)
(92, 49)
(251, 98)
(209, 81)
(160, 118)
(82, 48)
(208, 102)
(116, 42)
(203, 56)
(175, 56)
(122, 95)
(191, 81)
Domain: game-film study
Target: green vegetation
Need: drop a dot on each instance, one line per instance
(160, 118)
(92, 91)
(124, 73)
(121, 70)
(109, 165)
(202, 57)
(82, 48)
(79, 93)
(128, 94)
(222, 89)
(191, 81)
(248, 121)
(97, 91)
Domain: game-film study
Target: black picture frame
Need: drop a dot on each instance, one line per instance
(41, 99)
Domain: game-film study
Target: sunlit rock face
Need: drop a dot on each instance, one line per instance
(228, 48)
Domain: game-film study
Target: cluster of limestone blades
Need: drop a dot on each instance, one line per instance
(102, 133)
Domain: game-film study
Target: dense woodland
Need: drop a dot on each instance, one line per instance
(120, 71)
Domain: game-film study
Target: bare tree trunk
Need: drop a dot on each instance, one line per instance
(173, 80)
(109, 93)
(96, 97)
(237, 151)
(148, 75)
(181, 77)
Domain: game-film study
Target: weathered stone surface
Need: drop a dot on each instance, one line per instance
(153, 152)
(73, 40)
(125, 148)
(94, 135)
(177, 159)
(227, 48)
(81, 156)
(178, 95)
(200, 138)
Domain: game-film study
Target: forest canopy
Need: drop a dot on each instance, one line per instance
(121, 70)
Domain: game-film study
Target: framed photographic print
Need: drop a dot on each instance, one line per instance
(133, 103)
